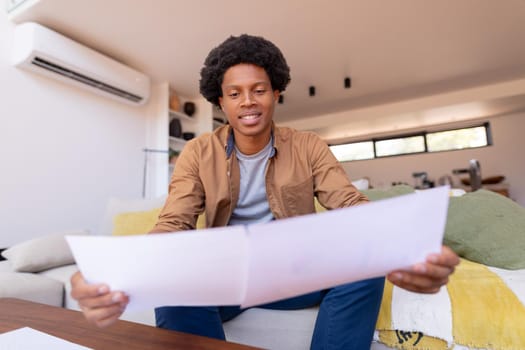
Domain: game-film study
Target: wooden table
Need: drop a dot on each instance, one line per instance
(72, 326)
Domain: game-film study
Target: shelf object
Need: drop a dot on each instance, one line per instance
(190, 126)
(181, 116)
(187, 123)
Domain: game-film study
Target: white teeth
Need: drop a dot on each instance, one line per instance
(249, 117)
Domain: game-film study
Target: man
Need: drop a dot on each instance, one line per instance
(252, 171)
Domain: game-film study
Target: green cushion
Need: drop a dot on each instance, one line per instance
(375, 194)
(487, 228)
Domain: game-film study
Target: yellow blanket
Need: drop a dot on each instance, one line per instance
(481, 308)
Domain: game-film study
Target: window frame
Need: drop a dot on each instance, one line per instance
(401, 136)
(374, 140)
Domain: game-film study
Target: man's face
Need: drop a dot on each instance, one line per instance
(248, 100)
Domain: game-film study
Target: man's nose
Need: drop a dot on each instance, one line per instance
(247, 99)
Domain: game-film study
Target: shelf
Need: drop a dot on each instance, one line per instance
(181, 116)
(176, 143)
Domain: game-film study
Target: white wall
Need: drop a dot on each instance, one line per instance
(506, 157)
(156, 178)
(63, 152)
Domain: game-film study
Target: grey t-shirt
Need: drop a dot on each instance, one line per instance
(252, 206)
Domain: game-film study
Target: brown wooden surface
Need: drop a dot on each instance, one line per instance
(72, 326)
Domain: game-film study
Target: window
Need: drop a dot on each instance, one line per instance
(353, 151)
(444, 140)
(457, 139)
(400, 145)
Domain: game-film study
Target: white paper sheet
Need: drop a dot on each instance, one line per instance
(30, 339)
(267, 262)
(186, 268)
(314, 252)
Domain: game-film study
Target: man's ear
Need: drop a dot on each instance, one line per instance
(276, 94)
(220, 103)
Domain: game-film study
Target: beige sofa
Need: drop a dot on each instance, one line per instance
(39, 270)
(271, 329)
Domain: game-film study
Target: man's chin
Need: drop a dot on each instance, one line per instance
(252, 132)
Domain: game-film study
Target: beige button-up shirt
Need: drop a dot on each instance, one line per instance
(207, 178)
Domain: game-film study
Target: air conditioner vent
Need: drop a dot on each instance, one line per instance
(47, 52)
(68, 73)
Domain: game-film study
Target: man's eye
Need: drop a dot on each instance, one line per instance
(233, 94)
(260, 91)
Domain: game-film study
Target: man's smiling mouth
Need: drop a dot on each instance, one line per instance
(250, 116)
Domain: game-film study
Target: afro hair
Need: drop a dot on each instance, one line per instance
(242, 49)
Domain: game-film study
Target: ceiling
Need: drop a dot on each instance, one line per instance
(394, 51)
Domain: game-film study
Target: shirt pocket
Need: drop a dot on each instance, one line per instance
(298, 199)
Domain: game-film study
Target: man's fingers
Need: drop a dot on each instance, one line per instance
(416, 282)
(103, 317)
(446, 257)
(108, 321)
(432, 270)
(80, 289)
(427, 277)
(99, 305)
(422, 281)
(108, 299)
(416, 288)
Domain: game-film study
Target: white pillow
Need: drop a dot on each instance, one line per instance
(361, 184)
(41, 253)
(118, 206)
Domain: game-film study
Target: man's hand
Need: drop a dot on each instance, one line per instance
(427, 277)
(100, 306)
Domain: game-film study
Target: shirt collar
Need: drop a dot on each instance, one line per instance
(230, 142)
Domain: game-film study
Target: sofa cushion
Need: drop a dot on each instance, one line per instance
(41, 253)
(273, 329)
(375, 194)
(29, 286)
(487, 228)
(63, 275)
(141, 222)
(480, 308)
(137, 222)
(118, 206)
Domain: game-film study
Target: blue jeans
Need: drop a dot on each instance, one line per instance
(346, 319)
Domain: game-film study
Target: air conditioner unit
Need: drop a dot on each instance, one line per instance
(42, 50)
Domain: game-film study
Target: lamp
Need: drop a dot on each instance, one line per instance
(348, 83)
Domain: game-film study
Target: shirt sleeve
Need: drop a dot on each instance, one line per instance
(186, 195)
(332, 186)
